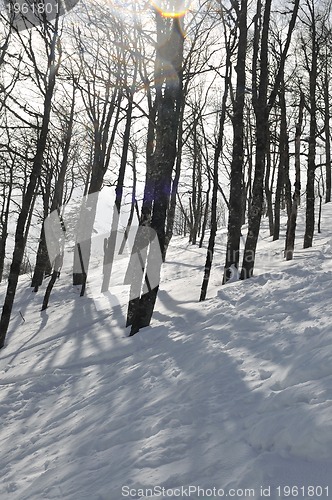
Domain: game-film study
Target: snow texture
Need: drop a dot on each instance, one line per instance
(234, 393)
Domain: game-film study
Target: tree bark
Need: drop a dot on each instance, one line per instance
(292, 220)
(4, 218)
(327, 131)
(168, 116)
(310, 189)
(283, 171)
(261, 114)
(236, 186)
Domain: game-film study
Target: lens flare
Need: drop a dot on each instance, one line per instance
(171, 8)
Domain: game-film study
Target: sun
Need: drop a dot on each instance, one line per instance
(171, 8)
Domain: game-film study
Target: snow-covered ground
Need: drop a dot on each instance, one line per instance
(232, 396)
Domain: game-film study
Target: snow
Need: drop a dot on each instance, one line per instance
(232, 395)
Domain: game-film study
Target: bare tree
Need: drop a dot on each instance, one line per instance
(237, 165)
(292, 220)
(102, 57)
(50, 36)
(262, 104)
(229, 45)
(168, 78)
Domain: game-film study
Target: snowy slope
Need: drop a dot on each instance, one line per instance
(231, 395)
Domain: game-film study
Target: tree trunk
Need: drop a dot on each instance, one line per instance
(269, 177)
(42, 262)
(310, 190)
(5, 212)
(134, 274)
(42, 259)
(169, 107)
(176, 179)
(215, 183)
(133, 204)
(236, 186)
(261, 115)
(206, 214)
(327, 132)
(283, 171)
(291, 224)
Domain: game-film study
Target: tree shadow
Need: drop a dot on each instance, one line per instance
(175, 405)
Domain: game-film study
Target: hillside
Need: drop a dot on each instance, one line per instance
(234, 393)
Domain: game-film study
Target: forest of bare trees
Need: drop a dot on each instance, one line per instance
(210, 114)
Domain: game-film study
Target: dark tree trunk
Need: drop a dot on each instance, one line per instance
(134, 274)
(269, 177)
(283, 171)
(247, 191)
(133, 206)
(169, 107)
(176, 179)
(291, 224)
(54, 276)
(172, 205)
(236, 186)
(3, 239)
(42, 260)
(310, 190)
(5, 212)
(206, 214)
(196, 198)
(319, 224)
(215, 182)
(327, 132)
(261, 115)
